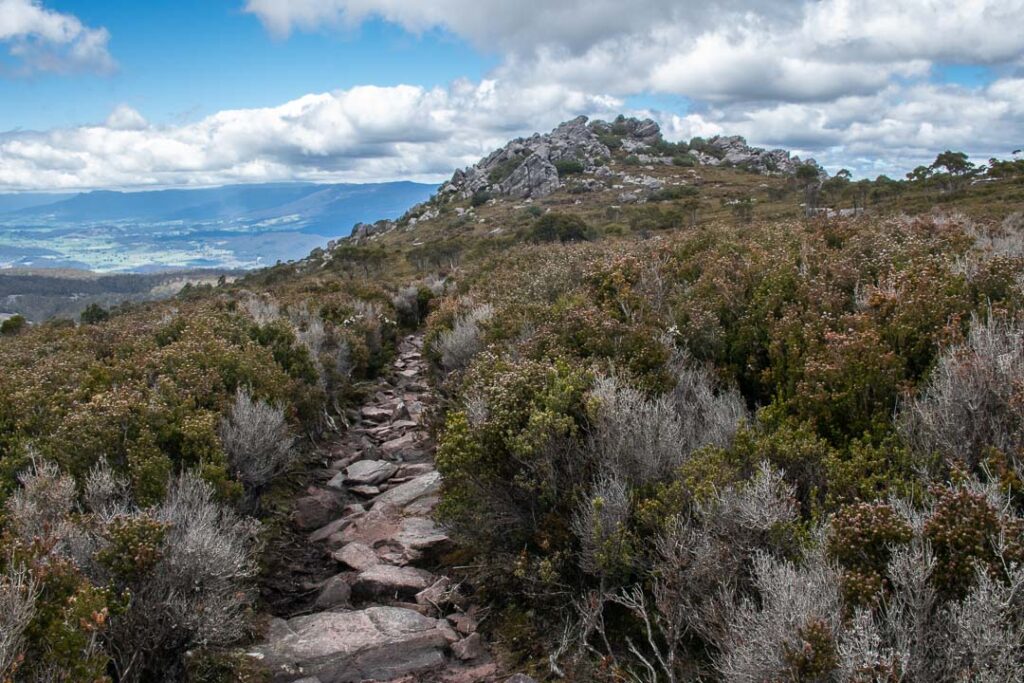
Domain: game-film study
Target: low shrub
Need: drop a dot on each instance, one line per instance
(559, 227)
(567, 167)
(257, 440)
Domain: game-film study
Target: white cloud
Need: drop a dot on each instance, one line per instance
(43, 40)
(887, 132)
(846, 81)
(739, 50)
(363, 134)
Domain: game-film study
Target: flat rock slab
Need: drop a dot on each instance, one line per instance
(377, 643)
(375, 414)
(370, 472)
(364, 490)
(328, 530)
(425, 485)
(358, 556)
(419, 537)
(403, 443)
(384, 580)
(315, 510)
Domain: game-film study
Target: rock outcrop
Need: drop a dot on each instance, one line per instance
(528, 167)
(734, 150)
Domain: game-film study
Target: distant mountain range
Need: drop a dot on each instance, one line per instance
(329, 210)
(238, 226)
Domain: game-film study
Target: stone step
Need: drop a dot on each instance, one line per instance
(376, 643)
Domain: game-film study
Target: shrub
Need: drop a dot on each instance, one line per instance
(480, 197)
(962, 531)
(602, 526)
(973, 399)
(189, 581)
(793, 631)
(40, 506)
(505, 169)
(566, 167)
(459, 345)
(257, 439)
(94, 314)
(510, 468)
(673, 193)
(861, 539)
(559, 227)
(644, 440)
(13, 325)
(17, 608)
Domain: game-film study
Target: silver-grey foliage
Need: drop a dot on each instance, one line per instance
(458, 345)
(40, 506)
(642, 439)
(600, 517)
(199, 592)
(256, 438)
(17, 607)
(972, 399)
(790, 598)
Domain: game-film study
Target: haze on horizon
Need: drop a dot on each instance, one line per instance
(102, 95)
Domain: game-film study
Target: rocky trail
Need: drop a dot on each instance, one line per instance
(363, 599)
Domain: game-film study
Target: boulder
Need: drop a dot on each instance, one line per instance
(369, 472)
(328, 530)
(403, 443)
(463, 623)
(334, 593)
(470, 647)
(387, 581)
(375, 414)
(420, 537)
(356, 555)
(364, 490)
(315, 510)
(377, 643)
(404, 494)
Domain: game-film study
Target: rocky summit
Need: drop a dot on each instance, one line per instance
(534, 167)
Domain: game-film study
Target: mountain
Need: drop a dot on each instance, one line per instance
(239, 226)
(309, 207)
(26, 200)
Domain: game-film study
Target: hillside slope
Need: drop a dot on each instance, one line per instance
(653, 417)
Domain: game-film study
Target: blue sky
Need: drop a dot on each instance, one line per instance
(183, 60)
(111, 93)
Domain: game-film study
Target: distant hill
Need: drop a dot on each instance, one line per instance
(311, 208)
(26, 200)
(238, 226)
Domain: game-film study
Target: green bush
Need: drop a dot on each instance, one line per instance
(567, 167)
(13, 325)
(94, 314)
(559, 227)
(480, 197)
(510, 481)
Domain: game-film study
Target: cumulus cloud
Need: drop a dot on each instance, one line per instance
(724, 50)
(365, 133)
(889, 132)
(846, 81)
(38, 39)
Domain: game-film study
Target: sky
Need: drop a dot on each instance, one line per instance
(122, 94)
